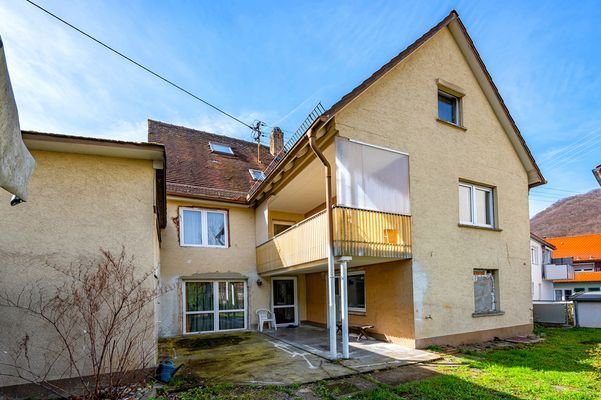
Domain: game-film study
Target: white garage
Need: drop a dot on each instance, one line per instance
(587, 309)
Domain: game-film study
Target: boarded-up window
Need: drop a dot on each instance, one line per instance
(485, 295)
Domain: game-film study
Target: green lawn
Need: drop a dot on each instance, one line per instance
(567, 365)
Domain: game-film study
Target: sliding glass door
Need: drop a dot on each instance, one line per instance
(211, 306)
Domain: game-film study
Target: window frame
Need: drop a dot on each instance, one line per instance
(456, 105)
(353, 310)
(534, 255)
(358, 309)
(213, 146)
(289, 224)
(252, 171)
(495, 295)
(204, 227)
(584, 267)
(216, 309)
(474, 206)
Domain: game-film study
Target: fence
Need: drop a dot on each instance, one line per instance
(553, 312)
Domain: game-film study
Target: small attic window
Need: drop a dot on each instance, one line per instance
(257, 174)
(221, 148)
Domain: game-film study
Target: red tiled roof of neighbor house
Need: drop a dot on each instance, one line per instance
(583, 277)
(193, 170)
(580, 248)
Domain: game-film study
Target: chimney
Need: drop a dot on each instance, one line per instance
(276, 141)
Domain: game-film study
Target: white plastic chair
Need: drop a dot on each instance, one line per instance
(266, 316)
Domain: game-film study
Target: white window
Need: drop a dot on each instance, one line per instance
(584, 267)
(449, 108)
(211, 306)
(203, 227)
(558, 295)
(356, 291)
(476, 205)
(533, 255)
(221, 148)
(485, 291)
(546, 256)
(257, 175)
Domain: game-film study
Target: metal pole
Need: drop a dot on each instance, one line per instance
(344, 308)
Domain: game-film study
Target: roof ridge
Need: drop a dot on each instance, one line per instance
(201, 131)
(573, 236)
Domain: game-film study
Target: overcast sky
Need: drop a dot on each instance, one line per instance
(274, 60)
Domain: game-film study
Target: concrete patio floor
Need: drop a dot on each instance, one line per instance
(365, 355)
(288, 356)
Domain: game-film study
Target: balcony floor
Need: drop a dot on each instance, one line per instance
(365, 355)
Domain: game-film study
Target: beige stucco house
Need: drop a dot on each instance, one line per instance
(430, 180)
(85, 194)
(428, 219)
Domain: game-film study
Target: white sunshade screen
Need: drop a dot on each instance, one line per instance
(372, 178)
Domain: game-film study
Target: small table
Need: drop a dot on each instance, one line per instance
(362, 329)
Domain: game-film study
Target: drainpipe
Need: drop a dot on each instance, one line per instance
(330, 248)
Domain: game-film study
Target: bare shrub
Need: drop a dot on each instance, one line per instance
(102, 317)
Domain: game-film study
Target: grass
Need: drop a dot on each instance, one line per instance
(567, 365)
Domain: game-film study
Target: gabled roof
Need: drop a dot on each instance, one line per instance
(452, 21)
(193, 170)
(583, 277)
(580, 248)
(541, 240)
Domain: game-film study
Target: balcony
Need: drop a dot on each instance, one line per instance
(555, 272)
(371, 236)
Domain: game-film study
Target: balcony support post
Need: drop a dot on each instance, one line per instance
(330, 244)
(344, 304)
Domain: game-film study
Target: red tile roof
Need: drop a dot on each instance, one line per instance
(583, 277)
(193, 170)
(580, 248)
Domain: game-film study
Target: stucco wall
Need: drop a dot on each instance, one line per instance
(388, 300)
(542, 289)
(177, 262)
(77, 205)
(400, 112)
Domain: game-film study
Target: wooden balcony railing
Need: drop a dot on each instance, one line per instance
(366, 233)
(357, 232)
(302, 243)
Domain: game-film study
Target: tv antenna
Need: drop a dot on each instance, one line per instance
(257, 134)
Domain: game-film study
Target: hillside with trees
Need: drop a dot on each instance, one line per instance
(575, 215)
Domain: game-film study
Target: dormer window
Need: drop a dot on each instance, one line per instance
(221, 148)
(257, 175)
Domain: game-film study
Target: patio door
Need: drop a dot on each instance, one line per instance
(211, 306)
(284, 303)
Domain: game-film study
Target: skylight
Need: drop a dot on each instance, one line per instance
(221, 148)
(257, 174)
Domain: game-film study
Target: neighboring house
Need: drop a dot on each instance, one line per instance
(585, 253)
(540, 259)
(85, 194)
(433, 232)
